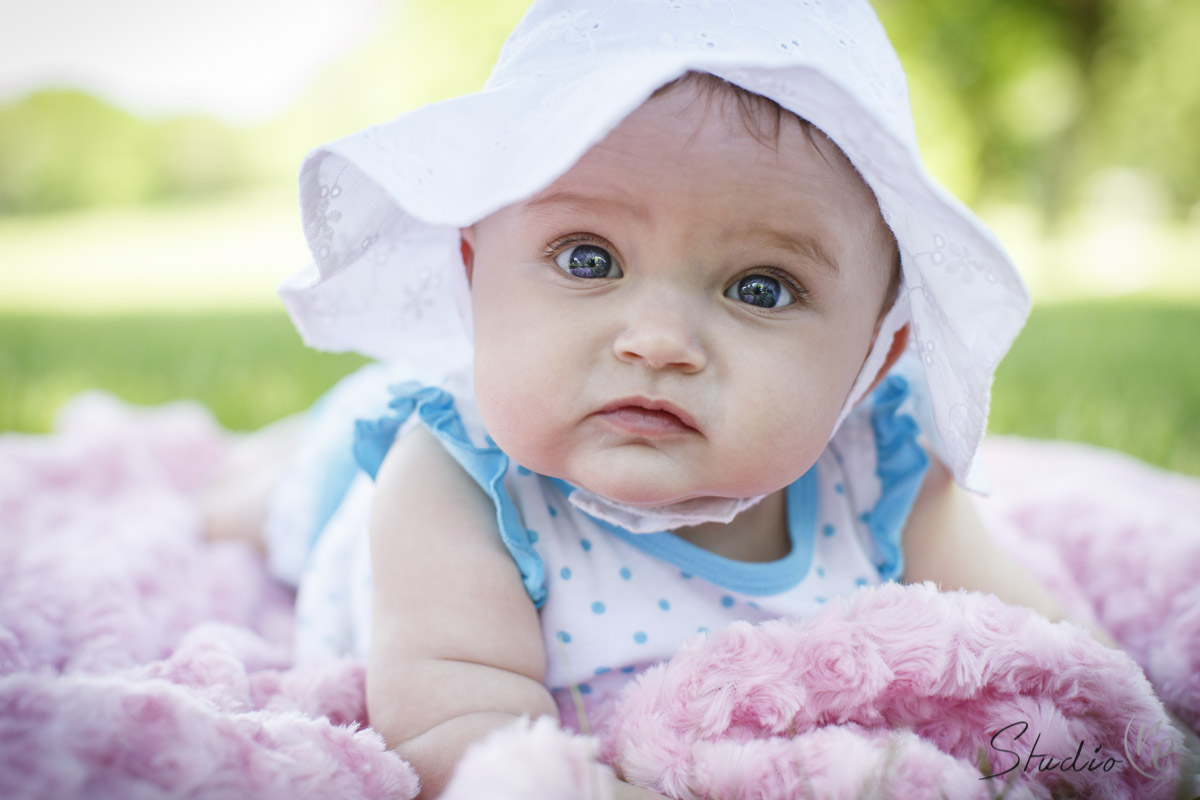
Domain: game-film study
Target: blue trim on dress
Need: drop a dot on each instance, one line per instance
(900, 463)
(486, 466)
(760, 579)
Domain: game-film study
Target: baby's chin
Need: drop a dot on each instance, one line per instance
(643, 478)
(646, 495)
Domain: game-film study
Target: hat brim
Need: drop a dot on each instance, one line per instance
(382, 209)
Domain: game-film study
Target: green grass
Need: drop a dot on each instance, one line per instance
(1122, 374)
(248, 367)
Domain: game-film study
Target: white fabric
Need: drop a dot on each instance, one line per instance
(382, 208)
(662, 518)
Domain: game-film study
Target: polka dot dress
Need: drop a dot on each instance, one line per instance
(618, 602)
(613, 602)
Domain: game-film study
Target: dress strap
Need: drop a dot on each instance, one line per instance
(900, 464)
(486, 465)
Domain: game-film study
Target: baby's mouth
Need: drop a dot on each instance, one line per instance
(645, 417)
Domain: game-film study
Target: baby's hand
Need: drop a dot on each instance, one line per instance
(537, 759)
(531, 759)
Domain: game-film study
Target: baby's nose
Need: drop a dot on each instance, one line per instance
(661, 334)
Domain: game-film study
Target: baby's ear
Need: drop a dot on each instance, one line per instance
(899, 342)
(467, 247)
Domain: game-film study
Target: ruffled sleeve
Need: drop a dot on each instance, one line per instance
(485, 464)
(900, 464)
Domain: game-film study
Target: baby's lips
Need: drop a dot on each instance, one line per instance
(648, 412)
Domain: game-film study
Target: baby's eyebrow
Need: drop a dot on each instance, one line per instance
(810, 248)
(579, 202)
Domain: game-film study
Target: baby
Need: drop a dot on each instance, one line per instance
(667, 300)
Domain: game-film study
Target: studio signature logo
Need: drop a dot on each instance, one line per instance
(1147, 750)
(1044, 762)
(1152, 752)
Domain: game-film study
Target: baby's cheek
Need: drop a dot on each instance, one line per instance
(494, 391)
(786, 423)
(509, 403)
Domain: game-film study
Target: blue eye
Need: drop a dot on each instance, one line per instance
(588, 261)
(760, 290)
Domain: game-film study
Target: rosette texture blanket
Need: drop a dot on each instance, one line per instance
(138, 660)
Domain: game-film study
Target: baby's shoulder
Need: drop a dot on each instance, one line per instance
(429, 441)
(876, 465)
(882, 435)
(421, 487)
(444, 407)
(438, 457)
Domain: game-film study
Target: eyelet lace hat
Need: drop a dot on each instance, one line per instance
(382, 207)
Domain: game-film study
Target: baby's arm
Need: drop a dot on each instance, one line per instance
(456, 647)
(946, 542)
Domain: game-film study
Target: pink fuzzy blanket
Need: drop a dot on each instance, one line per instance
(139, 661)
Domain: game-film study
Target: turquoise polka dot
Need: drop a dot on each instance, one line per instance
(861, 582)
(664, 605)
(565, 572)
(819, 599)
(727, 601)
(754, 605)
(865, 516)
(687, 576)
(839, 489)
(827, 530)
(523, 470)
(820, 572)
(564, 637)
(640, 637)
(603, 670)
(586, 544)
(702, 629)
(533, 537)
(553, 511)
(628, 670)
(585, 689)
(597, 608)
(625, 573)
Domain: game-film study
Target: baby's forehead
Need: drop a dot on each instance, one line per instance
(698, 137)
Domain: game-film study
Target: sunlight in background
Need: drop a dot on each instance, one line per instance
(149, 152)
(242, 60)
(282, 77)
(191, 205)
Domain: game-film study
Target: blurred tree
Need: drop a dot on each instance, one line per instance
(66, 149)
(422, 51)
(1015, 100)
(1025, 99)
(62, 149)
(1147, 84)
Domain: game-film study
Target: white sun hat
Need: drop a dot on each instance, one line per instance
(382, 208)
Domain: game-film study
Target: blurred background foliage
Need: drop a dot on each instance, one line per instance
(1024, 101)
(62, 149)
(1070, 125)
(1029, 100)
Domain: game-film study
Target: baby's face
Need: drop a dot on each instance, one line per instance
(683, 313)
